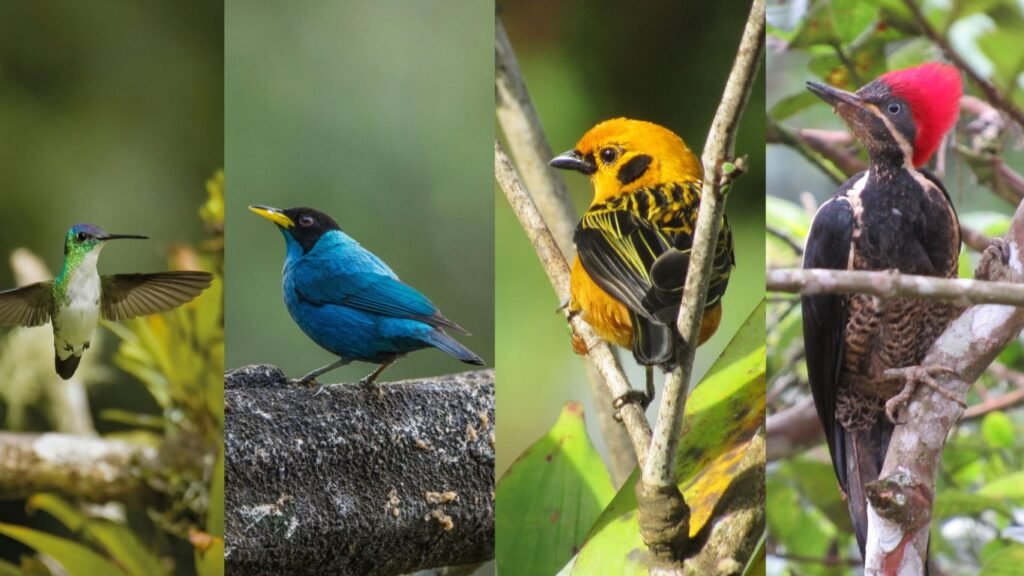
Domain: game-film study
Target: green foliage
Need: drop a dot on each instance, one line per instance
(549, 499)
(179, 357)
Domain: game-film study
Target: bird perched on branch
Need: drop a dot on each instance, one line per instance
(863, 354)
(350, 302)
(633, 243)
(78, 297)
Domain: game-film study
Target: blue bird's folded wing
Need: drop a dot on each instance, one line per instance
(375, 293)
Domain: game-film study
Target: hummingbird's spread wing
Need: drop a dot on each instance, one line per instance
(130, 295)
(27, 306)
(375, 293)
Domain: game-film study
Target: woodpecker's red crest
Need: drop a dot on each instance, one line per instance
(933, 93)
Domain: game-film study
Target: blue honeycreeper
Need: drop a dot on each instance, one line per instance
(349, 301)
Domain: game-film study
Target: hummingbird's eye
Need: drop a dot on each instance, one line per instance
(82, 236)
(894, 108)
(609, 154)
(306, 220)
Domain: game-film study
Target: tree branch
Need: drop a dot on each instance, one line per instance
(893, 284)
(378, 481)
(89, 468)
(664, 515)
(525, 136)
(558, 273)
(900, 502)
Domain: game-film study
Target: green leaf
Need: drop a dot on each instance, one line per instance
(722, 415)
(74, 557)
(549, 498)
(793, 104)
(1010, 486)
(997, 430)
(917, 51)
(1006, 561)
(119, 542)
(8, 569)
(950, 503)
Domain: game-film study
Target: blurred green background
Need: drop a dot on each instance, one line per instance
(365, 111)
(583, 63)
(111, 113)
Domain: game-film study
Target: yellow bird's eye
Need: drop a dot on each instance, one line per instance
(609, 154)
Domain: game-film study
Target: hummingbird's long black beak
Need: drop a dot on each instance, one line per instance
(275, 215)
(574, 160)
(122, 237)
(836, 97)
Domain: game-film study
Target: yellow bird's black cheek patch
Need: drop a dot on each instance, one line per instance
(634, 168)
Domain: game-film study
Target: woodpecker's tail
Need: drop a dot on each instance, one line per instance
(66, 368)
(439, 339)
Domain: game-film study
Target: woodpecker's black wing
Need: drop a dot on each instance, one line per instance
(27, 306)
(130, 295)
(824, 316)
(617, 249)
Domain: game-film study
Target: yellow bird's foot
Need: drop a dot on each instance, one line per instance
(912, 377)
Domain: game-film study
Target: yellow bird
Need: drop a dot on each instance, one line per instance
(633, 243)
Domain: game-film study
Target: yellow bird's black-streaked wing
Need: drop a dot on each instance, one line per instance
(130, 295)
(617, 249)
(27, 306)
(668, 274)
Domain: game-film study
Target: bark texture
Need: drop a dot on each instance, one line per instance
(357, 480)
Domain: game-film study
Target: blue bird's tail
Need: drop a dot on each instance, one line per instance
(439, 339)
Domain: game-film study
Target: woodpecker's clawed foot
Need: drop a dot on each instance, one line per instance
(994, 265)
(912, 377)
(632, 397)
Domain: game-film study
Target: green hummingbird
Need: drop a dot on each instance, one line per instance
(78, 297)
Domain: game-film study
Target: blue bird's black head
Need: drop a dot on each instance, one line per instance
(304, 225)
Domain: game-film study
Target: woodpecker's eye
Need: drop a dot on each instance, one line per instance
(82, 236)
(306, 221)
(609, 154)
(894, 108)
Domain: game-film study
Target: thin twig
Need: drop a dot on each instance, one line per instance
(659, 470)
(558, 274)
(991, 92)
(893, 284)
(786, 239)
(526, 139)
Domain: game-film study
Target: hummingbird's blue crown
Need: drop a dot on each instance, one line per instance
(89, 229)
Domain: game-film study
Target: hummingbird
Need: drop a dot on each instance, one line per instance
(350, 302)
(78, 297)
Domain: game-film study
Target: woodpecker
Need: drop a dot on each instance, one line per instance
(862, 353)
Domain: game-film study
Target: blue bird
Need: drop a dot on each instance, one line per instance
(350, 302)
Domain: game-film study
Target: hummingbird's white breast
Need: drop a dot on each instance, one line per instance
(75, 322)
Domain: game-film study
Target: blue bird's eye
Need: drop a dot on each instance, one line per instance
(306, 220)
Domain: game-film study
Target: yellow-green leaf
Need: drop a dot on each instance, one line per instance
(77, 559)
(722, 415)
(549, 498)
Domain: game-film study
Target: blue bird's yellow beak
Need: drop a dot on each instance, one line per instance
(274, 215)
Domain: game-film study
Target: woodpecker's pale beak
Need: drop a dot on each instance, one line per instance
(106, 237)
(274, 215)
(574, 160)
(842, 101)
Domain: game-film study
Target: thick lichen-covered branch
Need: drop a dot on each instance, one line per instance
(85, 467)
(358, 480)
